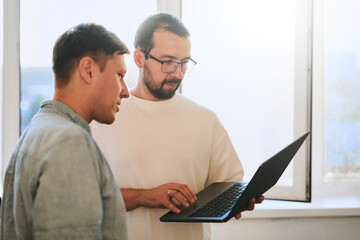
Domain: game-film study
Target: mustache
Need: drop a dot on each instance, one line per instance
(176, 81)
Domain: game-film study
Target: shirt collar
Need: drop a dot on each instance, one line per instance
(51, 106)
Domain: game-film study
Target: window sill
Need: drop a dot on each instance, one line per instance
(321, 207)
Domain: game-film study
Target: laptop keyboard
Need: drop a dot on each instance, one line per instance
(222, 203)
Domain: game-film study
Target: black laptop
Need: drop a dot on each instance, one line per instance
(223, 200)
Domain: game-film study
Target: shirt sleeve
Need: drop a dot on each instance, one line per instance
(225, 165)
(67, 202)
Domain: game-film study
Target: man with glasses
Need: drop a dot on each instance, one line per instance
(163, 147)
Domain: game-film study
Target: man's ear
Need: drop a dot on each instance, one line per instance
(139, 58)
(86, 69)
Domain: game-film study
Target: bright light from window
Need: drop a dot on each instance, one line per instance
(245, 73)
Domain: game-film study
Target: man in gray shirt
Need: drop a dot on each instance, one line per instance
(58, 185)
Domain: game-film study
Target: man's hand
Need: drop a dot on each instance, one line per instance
(251, 205)
(168, 195)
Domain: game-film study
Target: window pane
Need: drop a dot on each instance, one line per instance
(342, 90)
(247, 58)
(51, 19)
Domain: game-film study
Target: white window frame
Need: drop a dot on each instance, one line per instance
(173, 7)
(1, 80)
(301, 189)
(11, 81)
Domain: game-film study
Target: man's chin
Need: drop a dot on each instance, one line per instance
(165, 93)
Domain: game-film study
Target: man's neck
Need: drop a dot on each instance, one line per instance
(73, 102)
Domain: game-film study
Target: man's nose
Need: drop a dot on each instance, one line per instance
(178, 72)
(124, 93)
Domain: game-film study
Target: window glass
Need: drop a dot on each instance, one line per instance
(342, 90)
(42, 21)
(246, 72)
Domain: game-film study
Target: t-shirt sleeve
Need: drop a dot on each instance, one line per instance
(224, 165)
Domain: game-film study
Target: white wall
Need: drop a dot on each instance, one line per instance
(329, 228)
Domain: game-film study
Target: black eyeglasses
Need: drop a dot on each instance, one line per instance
(170, 66)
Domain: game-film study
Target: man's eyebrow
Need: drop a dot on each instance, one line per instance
(123, 72)
(172, 57)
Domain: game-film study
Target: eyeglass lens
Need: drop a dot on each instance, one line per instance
(169, 67)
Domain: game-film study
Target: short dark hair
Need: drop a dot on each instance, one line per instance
(156, 22)
(86, 39)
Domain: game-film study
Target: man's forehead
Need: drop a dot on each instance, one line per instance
(118, 61)
(165, 42)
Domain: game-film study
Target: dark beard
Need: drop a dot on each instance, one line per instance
(159, 92)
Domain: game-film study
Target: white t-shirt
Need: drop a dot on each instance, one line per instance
(153, 143)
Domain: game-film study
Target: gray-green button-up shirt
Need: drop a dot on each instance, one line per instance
(58, 184)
